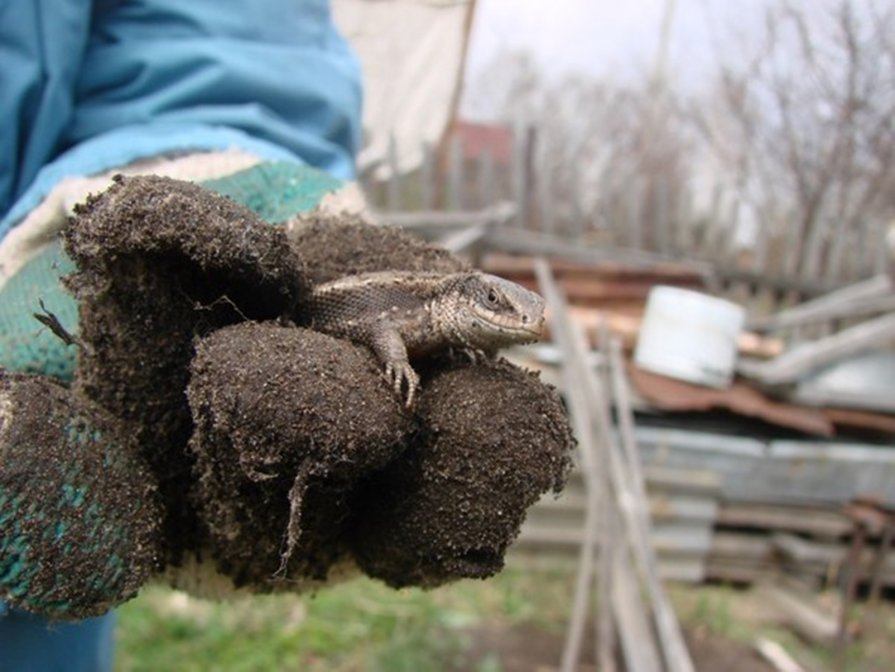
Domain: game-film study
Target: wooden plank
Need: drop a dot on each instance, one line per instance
(805, 618)
(732, 570)
(744, 547)
(713, 230)
(437, 222)
(460, 241)
(666, 540)
(456, 197)
(627, 494)
(684, 238)
(522, 266)
(636, 638)
(663, 507)
(645, 542)
(824, 522)
(694, 481)
(582, 424)
(633, 201)
(776, 655)
(487, 184)
(836, 256)
(518, 176)
(427, 178)
(546, 202)
(518, 241)
(393, 186)
(825, 554)
(866, 295)
(811, 265)
(664, 222)
(793, 472)
(676, 568)
(881, 247)
(608, 539)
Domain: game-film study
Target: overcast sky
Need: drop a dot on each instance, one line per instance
(616, 40)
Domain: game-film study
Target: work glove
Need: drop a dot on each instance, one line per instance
(267, 457)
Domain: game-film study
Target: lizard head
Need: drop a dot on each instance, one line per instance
(496, 312)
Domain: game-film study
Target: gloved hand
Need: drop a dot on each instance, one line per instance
(289, 458)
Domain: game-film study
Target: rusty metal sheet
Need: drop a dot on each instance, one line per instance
(668, 394)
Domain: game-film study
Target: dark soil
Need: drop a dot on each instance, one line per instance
(338, 246)
(287, 420)
(493, 438)
(161, 262)
(529, 649)
(79, 519)
(276, 449)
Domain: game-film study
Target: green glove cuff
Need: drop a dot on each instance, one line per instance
(26, 345)
(275, 191)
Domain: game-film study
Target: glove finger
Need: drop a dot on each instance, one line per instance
(494, 438)
(271, 403)
(333, 247)
(160, 262)
(78, 515)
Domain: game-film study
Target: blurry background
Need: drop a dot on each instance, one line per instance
(745, 149)
(759, 132)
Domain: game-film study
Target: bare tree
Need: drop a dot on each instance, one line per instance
(803, 122)
(600, 145)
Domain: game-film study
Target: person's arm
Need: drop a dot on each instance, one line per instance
(272, 78)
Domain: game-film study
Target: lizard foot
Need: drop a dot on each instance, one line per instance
(470, 355)
(402, 374)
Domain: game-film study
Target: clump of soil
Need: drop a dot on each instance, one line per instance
(79, 520)
(160, 262)
(280, 450)
(494, 438)
(347, 245)
(286, 421)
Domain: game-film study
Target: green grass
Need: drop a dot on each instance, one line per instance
(360, 625)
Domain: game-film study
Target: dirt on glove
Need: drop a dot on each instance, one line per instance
(287, 421)
(493, 440)
(79, 518)
(160, 263)
(335, 246)
(279, 449)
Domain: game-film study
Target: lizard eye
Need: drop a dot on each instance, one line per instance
(492, 298)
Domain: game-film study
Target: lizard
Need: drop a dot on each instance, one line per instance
(404, 315)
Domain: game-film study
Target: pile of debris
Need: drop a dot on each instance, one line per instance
(749, 479)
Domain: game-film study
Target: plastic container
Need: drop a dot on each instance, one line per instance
(690, 336)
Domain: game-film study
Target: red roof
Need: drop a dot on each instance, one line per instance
(476, 139)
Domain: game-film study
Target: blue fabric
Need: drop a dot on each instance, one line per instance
(88, 88)
(29, 644)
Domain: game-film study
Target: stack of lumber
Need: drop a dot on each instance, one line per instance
(614, 294)
(617, 552)
(734, 509)
(683, 504)
(749, 499)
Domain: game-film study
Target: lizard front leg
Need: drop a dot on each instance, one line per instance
(389, 347)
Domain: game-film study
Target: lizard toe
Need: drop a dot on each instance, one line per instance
(402, 376)
(413, 383)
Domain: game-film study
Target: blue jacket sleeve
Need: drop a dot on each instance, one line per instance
(273, 77)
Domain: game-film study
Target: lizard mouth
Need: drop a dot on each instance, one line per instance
(516, 331)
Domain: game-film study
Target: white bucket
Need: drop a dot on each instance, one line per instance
(690, 336)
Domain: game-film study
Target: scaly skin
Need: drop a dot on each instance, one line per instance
(404, 315)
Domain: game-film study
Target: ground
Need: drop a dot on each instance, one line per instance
(514, 622)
